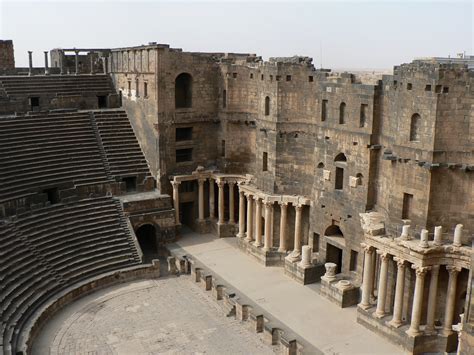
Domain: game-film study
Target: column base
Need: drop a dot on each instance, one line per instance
(294, 256)
(413, 332)
(364, 306)
(395, 324)
(282, 250)
(257, 244)
(380, 314)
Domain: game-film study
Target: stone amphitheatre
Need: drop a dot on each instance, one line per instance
(154, 200)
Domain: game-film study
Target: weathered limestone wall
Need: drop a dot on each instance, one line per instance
(7, 59)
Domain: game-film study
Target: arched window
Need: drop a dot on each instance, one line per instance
(183, 90)
(340, 161)
(320, 165)
(415, 128)
(267, 106)
(342, 113)
(359, 177)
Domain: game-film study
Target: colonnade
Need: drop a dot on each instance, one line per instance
(400, 290)
(201, 199)
(252, 230)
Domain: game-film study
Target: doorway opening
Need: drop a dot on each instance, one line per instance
(186, 210)
(334, 255)
(146, 236)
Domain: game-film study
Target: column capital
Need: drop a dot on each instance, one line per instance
(283, 203)
(400, 262)
(201, 181)
(268, 203)
(247, 194)
(384, 256)
(175, 183)
(256, 198)
(453, 270)
(231, 183)
(298, 206)
(220, 184)
(369, 249)
(420, 270)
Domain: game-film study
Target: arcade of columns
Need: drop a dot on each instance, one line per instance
(251, 203)
(386, 249)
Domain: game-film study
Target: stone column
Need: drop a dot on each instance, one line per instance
(283, 227)
(201, 199)
(249, 218)
(399, 293)
(231, 202)
(432, 296)
(258, 221)
(457, 242)
(268, 225)
(212, 213)
(220, 185)
(104, 64)
(76, 60)
(367, 282)
(295, 254)
(30, 63)
(241, 214)
(306, 253)
(176, 199)
(382, 289)
(438, 235)
(450, 299)
(91, 54)
(417, 301)
(46, 66)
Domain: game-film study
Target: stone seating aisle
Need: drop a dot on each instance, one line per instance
(122, 150)
(59, 85)
(48, 149)
(49, 249)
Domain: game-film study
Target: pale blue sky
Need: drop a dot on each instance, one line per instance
(352, 34)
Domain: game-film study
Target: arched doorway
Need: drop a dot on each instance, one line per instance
(146, 236)
(333, 253)
(183, 91)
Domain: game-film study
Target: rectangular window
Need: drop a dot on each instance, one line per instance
(339, 178)
(278, 77)
(310, 78)
(353, 262)
(234, 75)
(137, 88)
(184, 134)
(251, 75)
(445, 89)
(223, 148)
(363, 115)
(407, 205)
(288, 78)
(224, 98)
(102, 101)
(316, 242)
(437, 89)
(34, 101)
(428, 88)
(183, 155)
(265, 161)
(263, 76)
(324, 110)
(145, 89)
(129, 88)
(409, 86)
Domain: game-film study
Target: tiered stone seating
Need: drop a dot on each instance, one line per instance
(122, 150)
(60, 85)
(47, 250)
(48, 149)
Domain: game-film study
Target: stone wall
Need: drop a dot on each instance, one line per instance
(7, 59)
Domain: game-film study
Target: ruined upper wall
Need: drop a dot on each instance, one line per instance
(7, 59)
